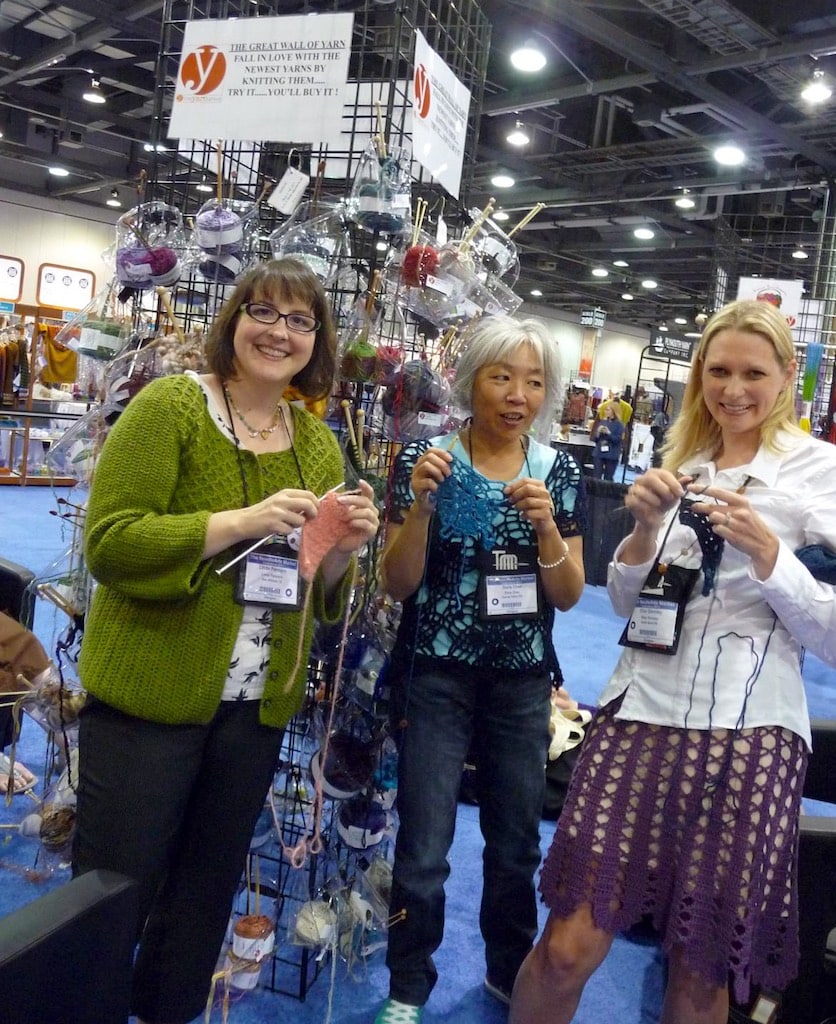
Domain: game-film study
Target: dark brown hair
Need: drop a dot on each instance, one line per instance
(284, 281)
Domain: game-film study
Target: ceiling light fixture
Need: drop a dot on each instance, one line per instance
(620, 263)
(58, 172)
(114, 198)
(663, 326)
(501, 215)
(600, 272)
(94, 94)
(536, 293)
(503, 180)
(817, 90)
(680, 320)
(801, 253)
(685, 202)
(528, 57)
(649, 283)
(518, 135)
(203, 186)
(627, 296)
(729, 155)
(645, 234)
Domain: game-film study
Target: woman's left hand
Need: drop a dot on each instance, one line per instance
(364, 518)
(734, 519)
(532, 498)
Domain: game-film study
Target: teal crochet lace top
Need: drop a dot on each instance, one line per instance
(441, 621)
(162, 625)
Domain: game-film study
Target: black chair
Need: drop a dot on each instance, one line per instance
(811, 998)
(609, 522)
(67, 957)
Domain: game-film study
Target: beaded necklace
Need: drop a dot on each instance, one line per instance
(264, 432)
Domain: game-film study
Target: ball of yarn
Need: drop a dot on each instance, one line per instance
(419, 261)
(165, 266)
(222, 267)
(133, 266)
(218, 230)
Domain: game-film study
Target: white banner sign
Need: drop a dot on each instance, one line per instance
(440, 105)
(268, 79)
(784, 295)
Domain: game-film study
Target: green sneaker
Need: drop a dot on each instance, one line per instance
(393, 1012)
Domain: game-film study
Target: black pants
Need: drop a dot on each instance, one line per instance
(173, 807)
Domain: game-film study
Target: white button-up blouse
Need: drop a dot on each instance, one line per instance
(738, 662)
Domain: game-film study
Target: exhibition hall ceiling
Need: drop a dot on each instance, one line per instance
(623, 121)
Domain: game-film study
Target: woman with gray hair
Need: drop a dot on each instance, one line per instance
(484, 542)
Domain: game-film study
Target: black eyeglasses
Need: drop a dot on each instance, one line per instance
(264, 313)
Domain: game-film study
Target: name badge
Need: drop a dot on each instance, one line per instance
(656, 622)
(508, 584)
(270, 576)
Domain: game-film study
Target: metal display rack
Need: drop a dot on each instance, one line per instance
(380, 84)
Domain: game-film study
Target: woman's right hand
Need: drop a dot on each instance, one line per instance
(652, 495)
(279, 513)
(428, 473)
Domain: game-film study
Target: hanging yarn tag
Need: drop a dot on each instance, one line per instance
(286, 195)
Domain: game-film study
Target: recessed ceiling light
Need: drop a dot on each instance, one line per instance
(663, 326)
(645, 234)
(113, 200)
(818, 90)
(680, 320)
(501, 215)
(685, 202)
(649, 283)
(729, 155)
(503, 181)
(627, 296)
(94, 94)
(203, 186)
(620, 263)
(600, 272)
(382, 246)
(536, 293)
(518, 135)
(800, 254)
(58, 172)
(528, 57)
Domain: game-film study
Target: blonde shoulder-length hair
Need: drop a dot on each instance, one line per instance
(694, 429)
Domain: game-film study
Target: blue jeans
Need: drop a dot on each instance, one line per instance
(440, 713)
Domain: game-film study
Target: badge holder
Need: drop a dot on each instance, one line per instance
(509, 584)
(267, 577)
(656, 621)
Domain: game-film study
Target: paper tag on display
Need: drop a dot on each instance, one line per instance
(286, 195)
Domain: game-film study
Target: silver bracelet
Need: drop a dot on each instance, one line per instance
(560, 561)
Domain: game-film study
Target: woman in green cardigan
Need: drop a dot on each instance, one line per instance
(192, 673)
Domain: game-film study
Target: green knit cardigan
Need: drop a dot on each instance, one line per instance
(162, 625)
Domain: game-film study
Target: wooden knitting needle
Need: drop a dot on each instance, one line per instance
(532, 213)
(175, 323)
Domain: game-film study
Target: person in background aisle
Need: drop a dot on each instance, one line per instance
(608, 434)
(192, 673)
(685, 800)
(484, 542)
(21, 654)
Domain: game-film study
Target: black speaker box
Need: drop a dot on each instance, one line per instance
(67, 957)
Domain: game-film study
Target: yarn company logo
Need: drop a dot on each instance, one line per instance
(203, 70)
(421, 92)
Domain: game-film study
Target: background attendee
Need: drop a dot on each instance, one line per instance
(685, 801)
(484, 542)
(608, 434)
(194, 673)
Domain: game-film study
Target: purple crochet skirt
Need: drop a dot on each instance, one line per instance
(696, 828)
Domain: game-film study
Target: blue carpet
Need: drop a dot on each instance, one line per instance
(628, 986)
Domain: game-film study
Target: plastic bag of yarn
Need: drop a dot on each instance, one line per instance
(74, 454)
(429, 281)
(415, 402)
(495, 252)
(316, 235)
(372, 341)
(149, 241)
(381, 198)
(225, 233)
(492, 296)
